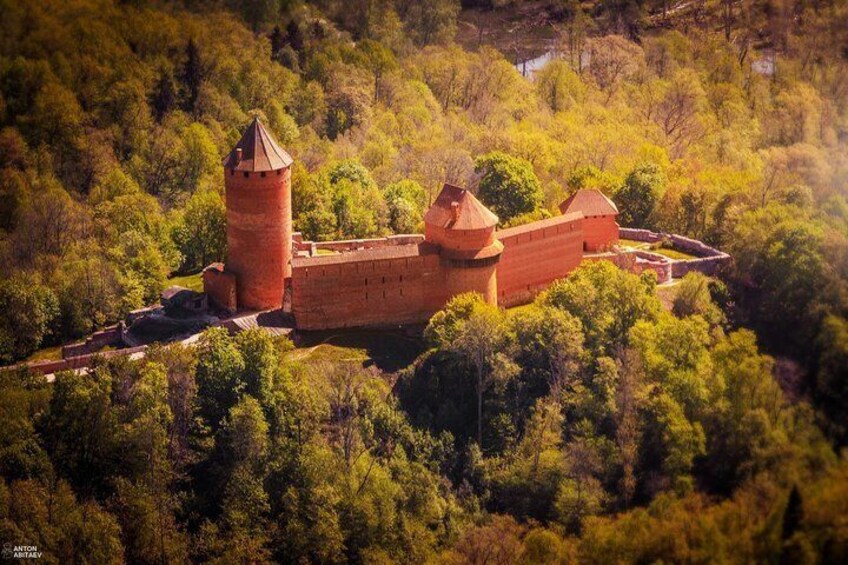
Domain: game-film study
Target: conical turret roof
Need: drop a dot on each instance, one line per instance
(468, 213)
(591, 202)
(260, 152)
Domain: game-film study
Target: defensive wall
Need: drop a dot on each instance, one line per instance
(346, 245)
(387, 286)
(70, 363)
(95, 342)
(537, 254)
(406, 279)
(708, 260)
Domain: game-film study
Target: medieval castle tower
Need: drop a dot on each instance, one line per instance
(395, 280)
(257, 178)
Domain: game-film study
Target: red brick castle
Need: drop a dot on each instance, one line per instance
(396, 280)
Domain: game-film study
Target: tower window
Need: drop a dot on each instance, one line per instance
(246, 174)
(279, 172)
(262, 174)
(232, 172)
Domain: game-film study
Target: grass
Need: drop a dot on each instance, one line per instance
(673, 254)
(46, 354)
(389, 351)
(633, 243)
(669, 252)
(191, 282)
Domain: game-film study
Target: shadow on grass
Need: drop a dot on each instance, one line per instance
(388, 350)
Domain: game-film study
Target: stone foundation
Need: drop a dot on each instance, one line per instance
(709, 260)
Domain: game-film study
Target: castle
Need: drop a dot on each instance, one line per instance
(390, 281)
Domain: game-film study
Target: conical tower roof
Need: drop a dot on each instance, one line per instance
(260, 152)
(457, 209)
(591, 202)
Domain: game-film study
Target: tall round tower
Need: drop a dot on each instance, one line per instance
(464, 229)
(257, 177)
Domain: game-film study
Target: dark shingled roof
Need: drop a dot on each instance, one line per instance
(260, 152)
(591, 202)
(473, 215)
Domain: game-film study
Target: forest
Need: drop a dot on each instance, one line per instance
(598, 424)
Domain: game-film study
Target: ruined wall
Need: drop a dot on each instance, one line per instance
(660, 265)
(709, 259)
(537, 254)
(94, 342)
(380, 287)
(220, 286)
(599, 232)
(72, 363)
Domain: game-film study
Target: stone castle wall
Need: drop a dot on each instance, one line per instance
(362, 289)
(220, 285)
(599, 233)
(709, 260)
(94, 342)
(537, 254)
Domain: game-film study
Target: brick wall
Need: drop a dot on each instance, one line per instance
(94, 342)
(599, 232)
(220, 286)
(346, 245)
(259, 235)
(78, 362)
(537, 254)
(368, 292)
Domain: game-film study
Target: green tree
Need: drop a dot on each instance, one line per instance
(164, 98)
(559, 86)
(479, 336)
(245, 502)
(607, 300)
(637, 199)
(831, 387)
(508, 185)
(693, 297)
(82, 429)
(431, 21)
(220, 370)
(30, 314)
(406, 201)
(199, 231)
(192, 76)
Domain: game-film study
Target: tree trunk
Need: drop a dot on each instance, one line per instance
(480, 408)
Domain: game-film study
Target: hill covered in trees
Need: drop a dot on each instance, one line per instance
(607, 428)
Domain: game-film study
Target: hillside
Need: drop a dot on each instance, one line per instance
(593, 425)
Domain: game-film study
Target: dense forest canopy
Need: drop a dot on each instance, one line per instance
(592, 425)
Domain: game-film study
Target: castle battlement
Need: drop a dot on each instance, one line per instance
(402, 279)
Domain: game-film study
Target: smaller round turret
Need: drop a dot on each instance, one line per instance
(464, 229)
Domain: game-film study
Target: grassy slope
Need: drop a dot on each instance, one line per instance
(192, 282)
